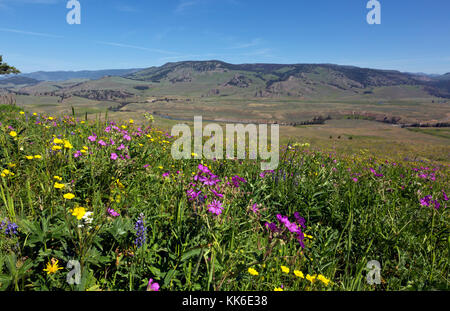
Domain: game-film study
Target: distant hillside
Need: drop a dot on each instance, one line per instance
(300, 80)
(18, 80)
(68, 75)
(444, 77)
(215, 78)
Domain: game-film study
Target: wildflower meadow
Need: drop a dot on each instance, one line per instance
(101, 205)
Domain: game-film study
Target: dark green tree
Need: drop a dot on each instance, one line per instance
(5, 69)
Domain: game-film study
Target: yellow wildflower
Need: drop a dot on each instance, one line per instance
(22, 112)
(11, 164)
(299, 274)
(278, 289)
(67, 144)
(79, 212)
(37, 156)
(323, 279)
(56, 148)
(52, 267)
(285, 269)
(252, 271)
(69, 196)
(57, 178)
(12, 134)
(59, 186)
(6, 172)
(29, 157)
(311, 278)
(58, 141)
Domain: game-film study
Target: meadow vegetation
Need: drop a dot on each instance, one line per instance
(109, 195)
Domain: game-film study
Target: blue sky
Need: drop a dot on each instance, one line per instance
(414, 35)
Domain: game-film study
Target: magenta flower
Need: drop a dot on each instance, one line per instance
(203, 169)
(255, 208)
(127, 137)
(166, 174)
(152, 286)
(192, 194)
(113, 212)
(445, 195)
(114, 156)
(92, 138)
(215, 207)
(425, 201)
(216, 193)
(122, 146)
(77, 154)
(355, 179)
(437, 205)
(101, 143)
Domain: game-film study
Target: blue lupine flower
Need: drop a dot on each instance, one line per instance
(141, 231)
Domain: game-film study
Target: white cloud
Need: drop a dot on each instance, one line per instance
(137, 47)
(30, 33)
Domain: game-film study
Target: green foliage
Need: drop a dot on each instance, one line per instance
(5, 68)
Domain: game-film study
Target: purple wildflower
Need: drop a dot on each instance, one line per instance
(445, 195)
(113, 213)
(425, 201)
(141, 231)
(152, 286)
(127, 137)
(203, 169)
(215, 207)
(11, 229)
(114, 156)
(216, 193)
(272, 227)
(192, 194)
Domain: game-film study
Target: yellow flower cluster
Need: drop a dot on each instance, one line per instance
(6, 172)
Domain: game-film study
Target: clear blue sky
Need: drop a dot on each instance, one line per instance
(414, 35)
